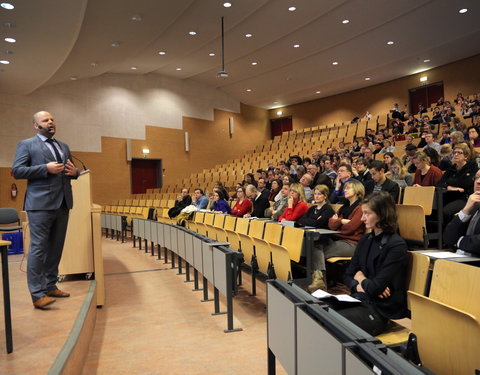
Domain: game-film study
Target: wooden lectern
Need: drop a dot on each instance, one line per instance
(82, 252)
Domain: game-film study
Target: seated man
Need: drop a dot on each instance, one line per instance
(344, 175)
(183, 200)
(201, 201)
(305, 181)
(463, 232)
(259, 201)
(380, 182)
(262, 187)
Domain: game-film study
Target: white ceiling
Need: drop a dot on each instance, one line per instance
(57, 40)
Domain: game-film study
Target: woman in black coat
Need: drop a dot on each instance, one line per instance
(318, 215)
(377, 272)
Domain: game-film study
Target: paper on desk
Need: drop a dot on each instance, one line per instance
(443, 254)
(320, 294)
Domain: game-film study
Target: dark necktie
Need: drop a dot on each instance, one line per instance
(57, 154)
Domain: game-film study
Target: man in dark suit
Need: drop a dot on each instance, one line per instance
(363, 174)
(259, 201)
(463, 232)
(380, 182)
(46, 163)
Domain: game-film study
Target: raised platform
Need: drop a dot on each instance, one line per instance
(54, 341)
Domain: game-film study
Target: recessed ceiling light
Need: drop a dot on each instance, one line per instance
(133, 68)
(367, 78)
(335, 63)
(390, 42)
(4, 62)
(317, 92)
(248, 35)
(279, 113)
(249, 90)
(296, 45)
(345, 21)
(136, 18)
(10, 40)
(227, 5)
(178, 69)
(426, 60)
(292, 9)
(7, 6)
(254, 63)
(115, 44)
(463, 10)
(192, 32)
(73, 78)
(211, 54)
(93, 64)
(162, 53)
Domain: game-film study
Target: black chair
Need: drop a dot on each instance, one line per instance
(9, 216)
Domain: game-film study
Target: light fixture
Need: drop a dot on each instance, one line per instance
(248, 90)
(335, 63)
(390, 42)
(345, 21)
(145, 152)
(73, 78)
(292, 9)
(7, 6)
(187, 142)
(248, 35)
(254, 63)
(211, 54)
(4, 62)
(115, 44)
(136, 18)
(178, 68)
(10, 40)
(133, 68)
(296, 45)
(222, 73)
(192, 32)
(367, 78)
(275, 102)
(424, 79)
(279, 113)
(231, 126)
(317, 92)
(426, 60)
(227, 5)
(463, 10)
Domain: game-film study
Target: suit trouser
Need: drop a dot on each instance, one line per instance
(47, 236)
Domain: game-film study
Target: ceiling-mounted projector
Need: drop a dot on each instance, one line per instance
(222, 74)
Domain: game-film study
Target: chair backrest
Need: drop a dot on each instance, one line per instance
(9, 216)
(292, 240)
(456, 284)
(418, 267)
(242, 226)
(230, 222)
(256, 228)
(209, 218)
(420, 195)
(218, 221)
(273, 233)
(411, 223)
(199, 217)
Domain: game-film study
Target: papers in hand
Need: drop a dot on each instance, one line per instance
(320, 294)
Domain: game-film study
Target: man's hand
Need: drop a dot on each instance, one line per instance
(70, 169)
(55, 168)
(472, 202)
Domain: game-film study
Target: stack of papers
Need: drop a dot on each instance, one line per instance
(320, 294)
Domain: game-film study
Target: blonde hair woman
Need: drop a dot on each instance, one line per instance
(318, 215)
(397, 172)
(297, 204)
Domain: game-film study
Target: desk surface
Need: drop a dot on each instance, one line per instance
(326, 231)
(4, 243)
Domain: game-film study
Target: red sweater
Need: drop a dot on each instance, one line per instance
(293, 214)
(351, 231)
(430, 178)
(243, 208)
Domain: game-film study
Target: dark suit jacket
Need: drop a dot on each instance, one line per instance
(259, 206)
(389, 186)
(44, 191)
(383, 266)
(456, 229)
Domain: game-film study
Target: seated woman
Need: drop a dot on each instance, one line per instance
(280, 204)
(458, 181)
(297, 204)
(377, 272)
(397, 172)
(474, 135)
(220, 205)
(276, 187)
(387, 159)
(426, 174)
(318, 215)
(243, 205)
(348, 222)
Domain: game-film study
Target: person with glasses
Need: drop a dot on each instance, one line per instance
(458, 181)
(344, 174)
(243, 205)
(463, 232)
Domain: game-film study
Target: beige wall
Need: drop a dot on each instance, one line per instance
(460, 76)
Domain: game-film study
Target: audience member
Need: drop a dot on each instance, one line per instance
(201, 201)
(474, 135)
(280, 204)
(426, 174)
(430, 141)
(183, 200)
(276, 187)
(296, 206)
(398, 173)
(260, 202)
(318, 215)
(381, 182)
(445, 157)
(344, 175)
(329, 170)
(243, 205)
(220, 205)
(261, 183)
(305, 181)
